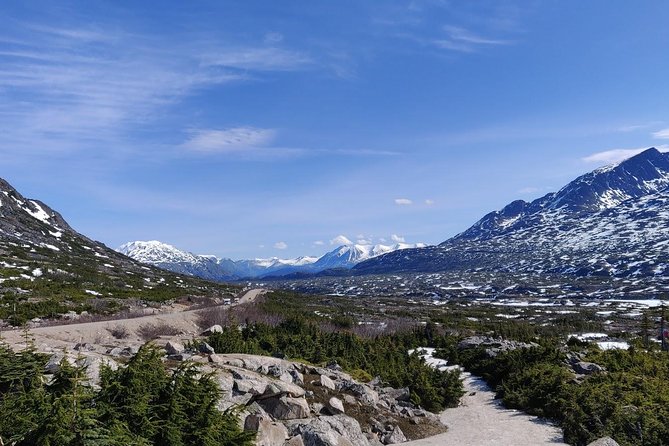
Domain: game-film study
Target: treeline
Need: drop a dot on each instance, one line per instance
(140, 404)
(629, 402)
(384, 356)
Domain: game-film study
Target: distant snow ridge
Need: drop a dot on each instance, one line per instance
(170, 258)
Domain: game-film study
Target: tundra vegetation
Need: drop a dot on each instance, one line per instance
(145, 402)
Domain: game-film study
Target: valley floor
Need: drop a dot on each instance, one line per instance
(480, 420)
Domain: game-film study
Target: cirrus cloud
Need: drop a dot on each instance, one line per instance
(403, 202)
(281, 245)
(618, 155)
(228, 140)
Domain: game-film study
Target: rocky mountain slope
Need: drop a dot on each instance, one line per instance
(170, 258)
(612, 222)
(47, 268)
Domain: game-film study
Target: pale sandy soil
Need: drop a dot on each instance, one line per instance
(481, 421)
(65, 336)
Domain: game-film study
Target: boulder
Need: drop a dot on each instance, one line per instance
(180, 356)
(215, 358)
(606, 441)
(278, 388)
(402, 394)
(206, 349)
(394, 436)
(587, 368)
(174, 348)
(364, 393)
(335, 406)
(213, 329)
(268, 433)
(327, 383)
(285, 407)
(337, 430)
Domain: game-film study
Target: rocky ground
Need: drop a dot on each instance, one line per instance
(286, 402)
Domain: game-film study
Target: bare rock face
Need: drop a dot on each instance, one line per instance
(268, 433)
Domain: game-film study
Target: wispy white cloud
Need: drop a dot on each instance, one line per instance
(634, 127)
(363, 241)
(228, 140)
(429, 202)
(397, 238)
(403, 202)
(617, 155)
(258, 59)
(281, 245)
(69, 89)
(466, 41)
(319, 243)
(661, 134)
(528, 190)
(341, 240)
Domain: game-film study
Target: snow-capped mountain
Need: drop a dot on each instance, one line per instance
(48, 268)
(349, 255)
(613, 221)
(168, 257)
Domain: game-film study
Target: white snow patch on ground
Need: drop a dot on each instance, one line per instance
(94, 293)
(40, 214)
(612, 345)
(427, 353)
(37, 272)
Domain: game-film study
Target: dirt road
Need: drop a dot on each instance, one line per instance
(63, 336)
(481, 421)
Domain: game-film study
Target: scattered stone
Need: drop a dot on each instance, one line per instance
(174, 348)
(316, 408)
(335, 406)
(327, 383)
(213, 329)
(268, 433)
(350, 399)
(395, 436)
(180, 357)
(215, 358)
(206, 349)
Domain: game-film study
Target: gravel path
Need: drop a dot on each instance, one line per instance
(63, 336)
(480, 420)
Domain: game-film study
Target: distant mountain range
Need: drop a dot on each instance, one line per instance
(170, 258)
(611, 222)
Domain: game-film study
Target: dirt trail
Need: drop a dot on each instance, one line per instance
(480, 420)
(63, 336)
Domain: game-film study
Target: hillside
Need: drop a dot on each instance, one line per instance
(612, 222)
(47, 268)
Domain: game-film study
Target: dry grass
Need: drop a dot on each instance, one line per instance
(119, 331)
(149, 332)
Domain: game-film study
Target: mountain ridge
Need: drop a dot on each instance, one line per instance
(171, 258)
(612, 221)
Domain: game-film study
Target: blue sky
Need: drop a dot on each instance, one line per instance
(263, 128)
